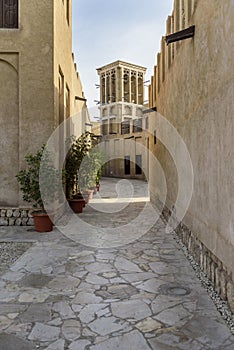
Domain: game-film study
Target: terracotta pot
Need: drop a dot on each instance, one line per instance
(88, 195)
(77, 205)
(42, 222)
(94, 189)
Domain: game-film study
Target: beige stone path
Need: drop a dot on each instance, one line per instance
(132, 296)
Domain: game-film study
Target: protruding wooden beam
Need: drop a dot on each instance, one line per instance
(181, 35)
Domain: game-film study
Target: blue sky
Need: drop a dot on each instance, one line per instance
(105, 31)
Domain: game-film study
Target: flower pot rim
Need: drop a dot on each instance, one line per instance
(39, 213)
(75, 199)
(87, 191)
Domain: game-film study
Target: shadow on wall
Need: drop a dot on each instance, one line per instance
(9, 133)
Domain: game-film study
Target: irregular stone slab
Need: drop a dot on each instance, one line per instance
(180, 341)
(47, 270)
(86, 259)
(44, 333)
(131, 341)
(191, 306)
(151, 285)
(55, 322)
(12, 276)
(99, 267)
(163, 302)
(173, 316)
(94, 279)
(156, 345)
(58, 345)
(64, 283)
(137, 277)
(105, 256)
(152, 252)
(118, 291)
(5, 322)
(117, 280)
(64, 310)
(88, 312)
(87, 287)
(35, 280)
(34, 296)
(37, 312)
(148, 325)
(109, 274)
(100, 339)
(131, 309)
(106, 325)
(162, 268)
(171, 339)
(11, 342)
(71, 329)
(21, 329)
(123, 264)
(12, 308)
(103, 312)
(7, 297)
(77, 308)
(75, 256)
(214, 336)
(80, 274)
(86, 332)
(79, 345)
(2, 284)
(86, 298)
(12, 316)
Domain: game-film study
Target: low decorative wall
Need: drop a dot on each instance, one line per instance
(16, 217)
(215, 270)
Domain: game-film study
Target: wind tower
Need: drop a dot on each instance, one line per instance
(121, 96)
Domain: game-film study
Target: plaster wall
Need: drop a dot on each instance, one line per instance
(196, 96)
(25, 114)
(64, 63)
(31, 58)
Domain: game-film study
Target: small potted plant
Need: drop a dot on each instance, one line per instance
(99, 174)
(90, 171)
(30, 184)
(78, 148)
(81, 166)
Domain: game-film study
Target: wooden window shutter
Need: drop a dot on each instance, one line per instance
(10, 13)
(1, 13)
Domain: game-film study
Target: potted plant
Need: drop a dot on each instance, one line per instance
(99, 174)
(78, 148)
(90, 170)
(30, 184)
(82, 163)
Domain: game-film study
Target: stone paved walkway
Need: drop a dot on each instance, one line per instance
(142, 295)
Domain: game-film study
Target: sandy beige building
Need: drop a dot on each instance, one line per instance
(123, 125)
(39, 83)
(193, 87)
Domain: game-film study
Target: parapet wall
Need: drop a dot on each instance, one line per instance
(181, 17)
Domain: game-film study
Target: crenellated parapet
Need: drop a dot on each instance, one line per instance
(180, 19)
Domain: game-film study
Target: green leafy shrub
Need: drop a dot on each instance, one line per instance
(39, 175)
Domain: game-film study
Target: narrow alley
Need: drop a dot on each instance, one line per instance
(136, 295)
